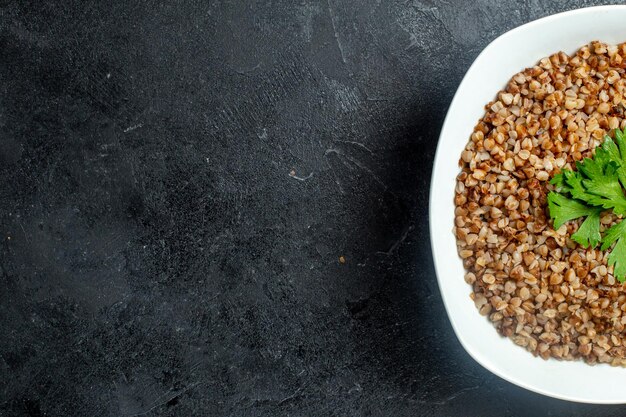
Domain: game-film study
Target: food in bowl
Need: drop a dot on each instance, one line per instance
(555, 291)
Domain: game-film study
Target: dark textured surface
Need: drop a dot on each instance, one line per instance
(178, 183)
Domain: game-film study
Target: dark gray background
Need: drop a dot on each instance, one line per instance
(179, 181)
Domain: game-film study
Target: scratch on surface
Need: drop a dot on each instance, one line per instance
(376, 99)
(133, 127)
(339, 155)
(23, 231)
(364, 168)
(295, 177)
(342, 156)
(456, 394)
(248, 71)
(334, 173)
(297, 393)
(398, 242)
(290, 397)
(362, 145)
(332, 21)
(162, 401)
(412, 41)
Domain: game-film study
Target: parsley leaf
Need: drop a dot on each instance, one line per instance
(563, 209)
(618, 152)
(588, 234)
(597, 184)
(617, 257)
(559, 183)
(597, 181)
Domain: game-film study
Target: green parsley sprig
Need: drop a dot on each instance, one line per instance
(597, 185)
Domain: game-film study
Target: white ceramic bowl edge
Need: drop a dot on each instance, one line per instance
(515, 50)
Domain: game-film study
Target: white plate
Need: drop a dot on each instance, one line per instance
(510, 53)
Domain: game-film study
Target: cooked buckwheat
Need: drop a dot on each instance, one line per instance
(538, 287)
